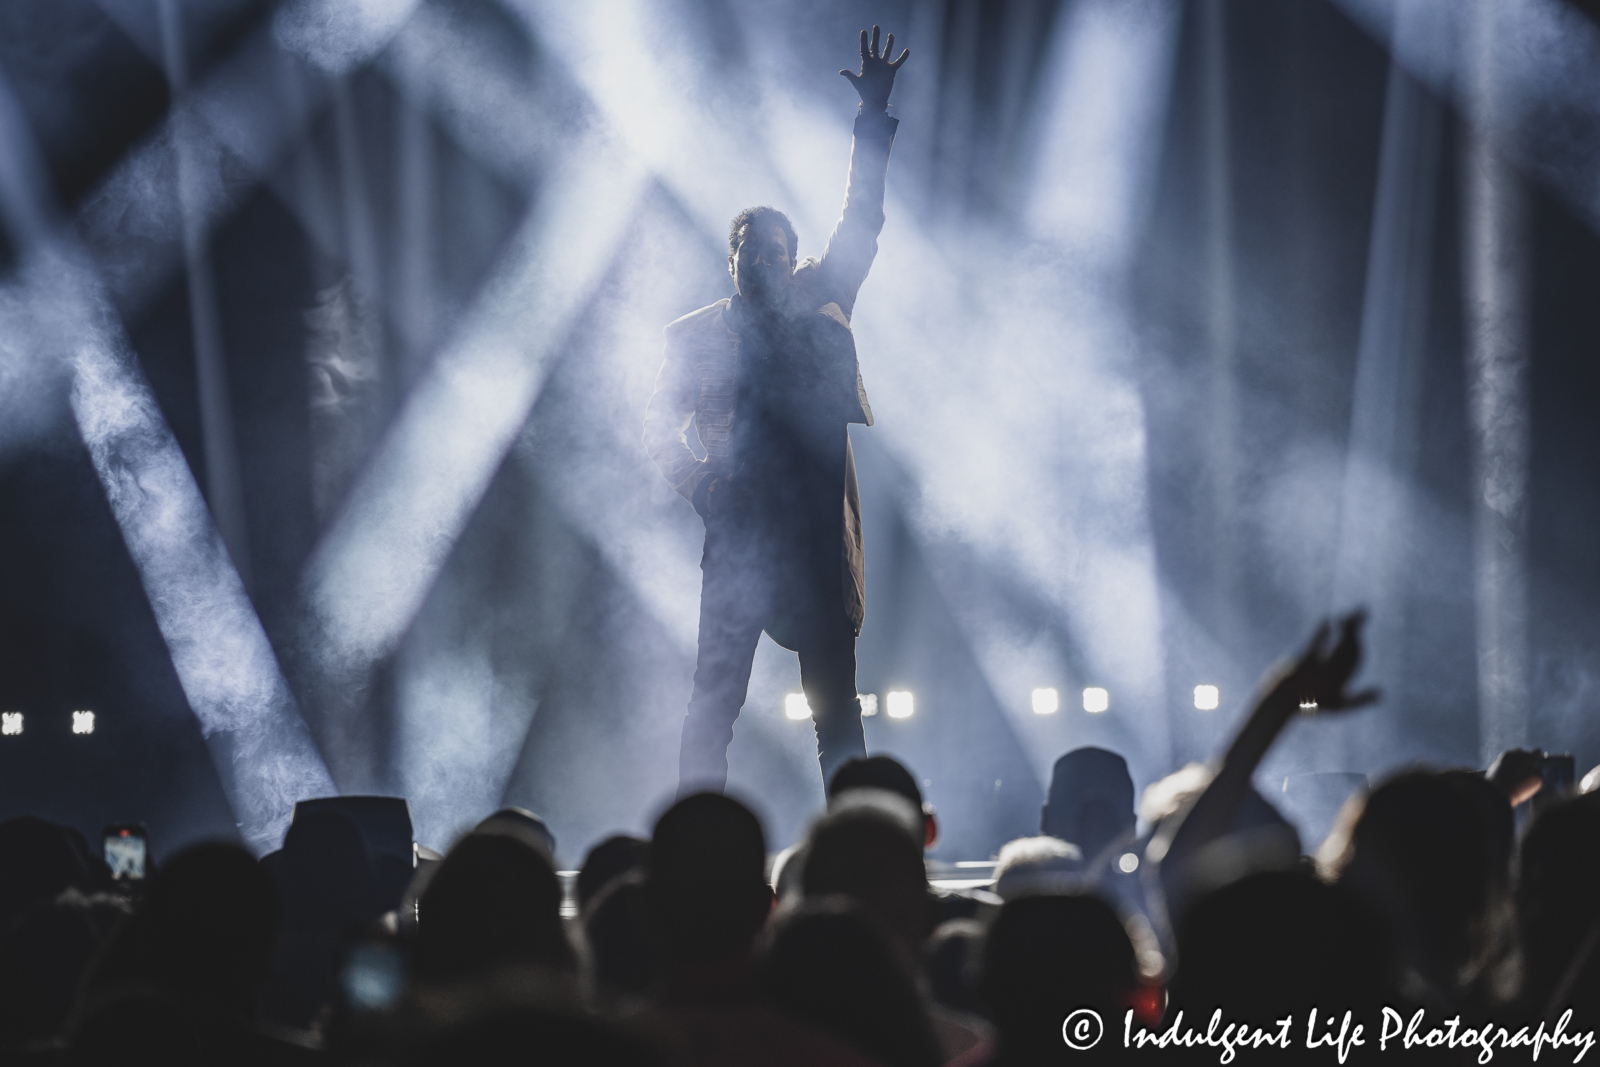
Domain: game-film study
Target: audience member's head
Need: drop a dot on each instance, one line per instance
(523, 825)
(885, 772)
(706, 893)
(38, 860)
(609, 860)
(1046, 952)
(1275, 943)
(620, 956)
(951, 961)
(1418, 852)
(1031, 865)
(42, 958)
(830, 967)
(1499, 823)
(203, 933)
(865, 848)
(1090, 801)
(1558, 907)
(494, 902)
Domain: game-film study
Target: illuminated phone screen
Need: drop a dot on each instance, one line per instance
(125, 856)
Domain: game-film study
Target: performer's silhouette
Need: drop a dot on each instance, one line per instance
(770, 381)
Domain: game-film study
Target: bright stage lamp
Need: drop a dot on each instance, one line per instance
(83, 722)
(1206, 697)
(796, 707)
(901, 704)
(1046, 702)
(1096, 700)
(869, 704)
(10, 723)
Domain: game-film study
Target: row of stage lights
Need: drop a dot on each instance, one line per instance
(900, 704)
(1097, 700)
(12, 723)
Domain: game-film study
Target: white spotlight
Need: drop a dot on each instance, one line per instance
(1046, 702)
(796, 707)
(1206, 697)
(10, 723)
(1128, 862)
(901, 704)
(83, 722)
(1308, 705)
(1096, 700)
(869, 704)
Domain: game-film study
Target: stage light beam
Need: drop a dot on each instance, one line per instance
(370, 572)
(56, 309)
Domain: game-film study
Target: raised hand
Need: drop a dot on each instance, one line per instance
(1320, 678)
(877, 73)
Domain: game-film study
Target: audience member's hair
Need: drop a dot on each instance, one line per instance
(1037, 865)
(615, 929)
(42, 958)
(1417, 852)
(38, 860)
(951, 960)
(609, 860)
(865, 850)
(1046, 952)
(203, 933)
(494, 902)
(1276, 943)
(523, 825)
(831, 967)
(887, 773)
(1558, 908)
(875, 772)
(706, 893)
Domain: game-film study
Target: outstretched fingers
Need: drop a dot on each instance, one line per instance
(896, 64)
(876, 51)
(1334, 668)
(865, 53)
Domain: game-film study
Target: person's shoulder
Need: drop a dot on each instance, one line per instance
(705, 318)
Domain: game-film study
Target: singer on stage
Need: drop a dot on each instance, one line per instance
(769, 380)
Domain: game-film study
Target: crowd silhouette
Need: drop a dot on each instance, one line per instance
(1455, 893)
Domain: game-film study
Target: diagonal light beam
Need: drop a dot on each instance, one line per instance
(370, 572)
(57, 310)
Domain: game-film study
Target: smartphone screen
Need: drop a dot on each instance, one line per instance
(125, 848)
